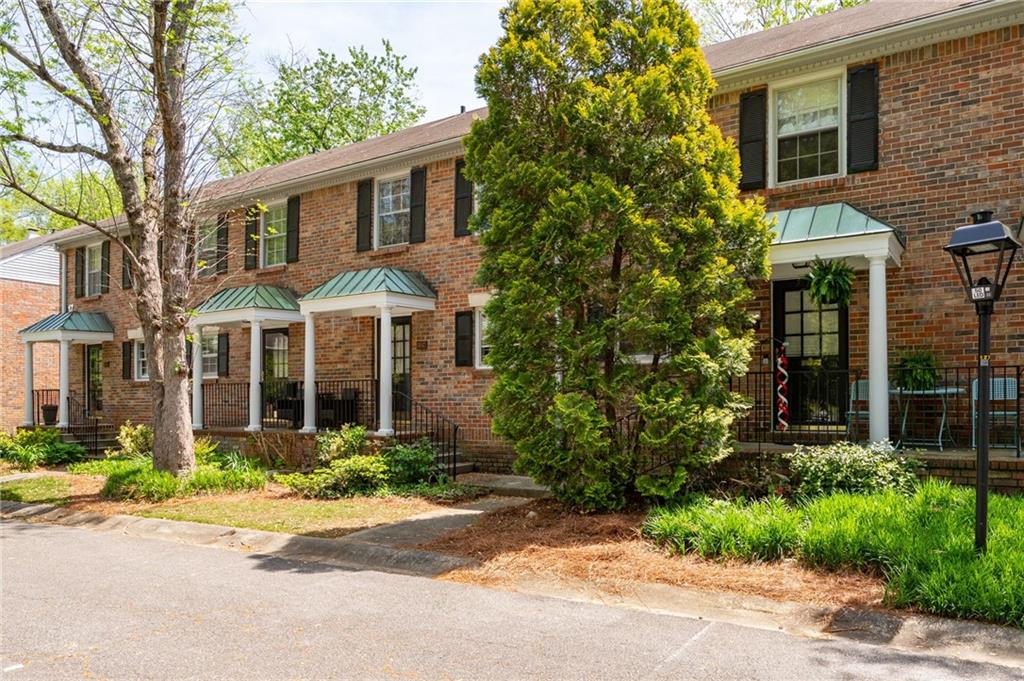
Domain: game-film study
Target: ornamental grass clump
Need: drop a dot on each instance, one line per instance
(31, 447)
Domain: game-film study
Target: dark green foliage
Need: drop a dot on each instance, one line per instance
(614, 229)
(359, 474)
(830, 282)
(917, 370)
(136, 479)
(922, 544)
(849, 467)
(411, 463)
(33, 447)
(133, 440)
(347, 441)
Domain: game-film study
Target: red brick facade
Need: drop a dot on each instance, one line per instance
(952, 141)
(23, 303)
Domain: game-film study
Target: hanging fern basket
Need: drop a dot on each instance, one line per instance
(830, 282)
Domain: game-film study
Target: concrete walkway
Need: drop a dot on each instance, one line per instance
(505, 485)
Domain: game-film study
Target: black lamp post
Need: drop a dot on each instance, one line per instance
(983, 243)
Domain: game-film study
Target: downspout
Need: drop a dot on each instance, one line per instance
(63, 281)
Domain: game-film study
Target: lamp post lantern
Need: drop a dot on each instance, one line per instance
(985, 243)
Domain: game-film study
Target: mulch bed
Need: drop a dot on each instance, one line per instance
(545, 539)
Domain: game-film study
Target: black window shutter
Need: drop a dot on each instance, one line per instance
(862, 118)
(79, 272)
(188, 355)
(105, 264)
(364, 215)
(753, 135)
(252, 244)
(222, 243)
(417, 205)
(126, 360)
(292, 253)
(222, 354)
(464, 338)
(126, 267)
(463, 199)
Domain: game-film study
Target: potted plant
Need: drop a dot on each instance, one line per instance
(49, 414)
(917, 370)
(830, 282)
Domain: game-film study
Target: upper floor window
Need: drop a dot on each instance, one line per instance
(808, 130)
(93, 270)
(206, 249)
(273, 235)
(393, 210)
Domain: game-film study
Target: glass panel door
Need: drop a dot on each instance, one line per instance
(401, 364)
(817, 348)
(93, 379)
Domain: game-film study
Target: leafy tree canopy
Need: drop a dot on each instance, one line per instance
(90, 195)
(619, 251)
(315, 105)
(726, 19)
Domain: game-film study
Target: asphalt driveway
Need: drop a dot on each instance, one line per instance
(78, 604)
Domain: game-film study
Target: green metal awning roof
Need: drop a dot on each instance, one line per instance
(246, 297)
(91, 322)
(827, 221)
(375, 280)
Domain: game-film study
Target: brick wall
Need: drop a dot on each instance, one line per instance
(24, 303)
(952, 125)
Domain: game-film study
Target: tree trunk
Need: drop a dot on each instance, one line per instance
(173, 444)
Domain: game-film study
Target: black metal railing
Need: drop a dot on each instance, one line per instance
(349, 401)
(226, 405)
(281, 404)
(807, 406)
(416, 421)
(46, 406)
(83, 426)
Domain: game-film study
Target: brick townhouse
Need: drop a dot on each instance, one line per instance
(871, 133)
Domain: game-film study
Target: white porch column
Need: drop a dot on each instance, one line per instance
(386, 428)
(309, 377)
(65, 383)
(255, 372)
(197, 378)
(30, 416)
(878, 350)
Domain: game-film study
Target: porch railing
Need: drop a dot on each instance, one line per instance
(46, 397)
(82, 425)
(226, 405)
(347, 401)
(928, 407)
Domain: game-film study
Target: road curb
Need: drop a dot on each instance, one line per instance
(912, 632)
(341, 553)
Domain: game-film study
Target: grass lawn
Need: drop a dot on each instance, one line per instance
(279, 513)
(273, 509)
(921, 544)
(48, 490)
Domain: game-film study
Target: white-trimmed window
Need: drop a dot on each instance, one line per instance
(206, 249)
(210, 347)
(807, 130)
(141, 362)
(482, 345)
(274, 235)
(393, 210)
(93, 269)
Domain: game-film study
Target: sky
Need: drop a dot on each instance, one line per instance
(442, 38)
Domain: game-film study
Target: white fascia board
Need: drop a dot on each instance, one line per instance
(859, 248)
(246, 315)
(956, 23)
(57, 335)
(360, 303)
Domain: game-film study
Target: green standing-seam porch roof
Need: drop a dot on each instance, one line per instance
(827, 221)
(88, 322)
(250, 297)
(374, 280)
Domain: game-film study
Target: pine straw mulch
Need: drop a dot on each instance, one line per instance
(608, 552)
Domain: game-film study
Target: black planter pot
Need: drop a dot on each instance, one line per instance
(49, 414)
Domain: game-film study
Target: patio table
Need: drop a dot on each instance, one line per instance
(942, 393)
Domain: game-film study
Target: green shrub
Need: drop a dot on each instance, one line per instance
(205, 451)
(212, 480)
(109, 466)
(409, 464)
(141, 484)
(917, 370)
(25, 457)
(234, 460)
(360, 474)
(850, 467)
(28, 448)
(349, 440)
(133, 441)
(766, 529)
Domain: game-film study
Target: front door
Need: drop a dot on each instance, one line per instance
(93, 379)
(401, 364)
(816, 342)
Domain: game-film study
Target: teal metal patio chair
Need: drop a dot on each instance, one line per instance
(1000, 390)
